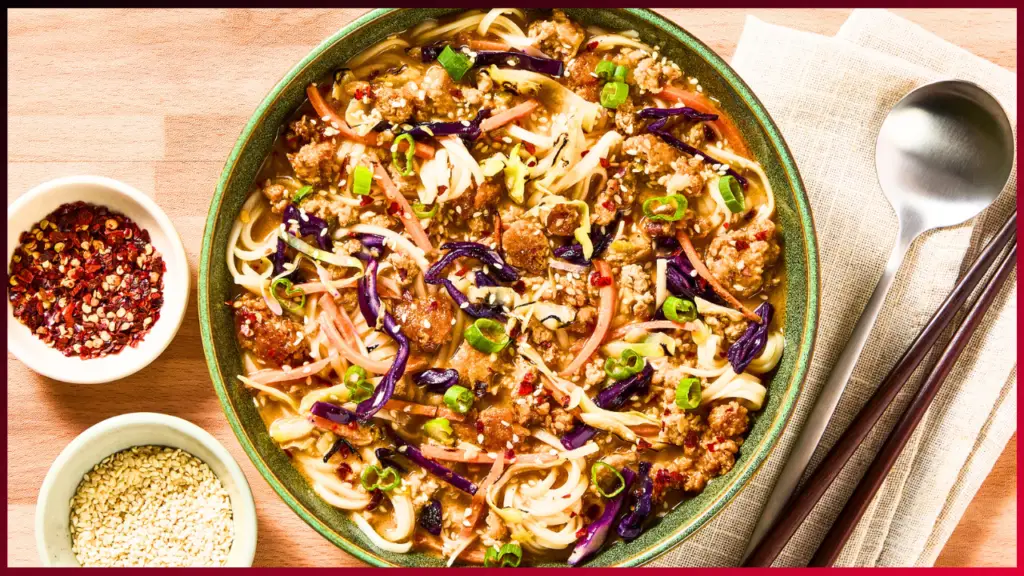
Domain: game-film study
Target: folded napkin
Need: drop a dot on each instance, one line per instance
(829, 96)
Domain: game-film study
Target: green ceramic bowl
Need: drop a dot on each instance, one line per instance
(717, 78)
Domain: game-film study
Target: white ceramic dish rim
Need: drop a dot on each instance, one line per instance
(135, 429)
(29, 208)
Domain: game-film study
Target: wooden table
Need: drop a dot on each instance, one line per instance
(156, 99)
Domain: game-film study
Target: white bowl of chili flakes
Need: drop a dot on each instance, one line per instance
(73, 336)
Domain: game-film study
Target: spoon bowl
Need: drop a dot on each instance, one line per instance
(944, 153)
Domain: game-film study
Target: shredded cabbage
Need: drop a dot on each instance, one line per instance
(557, 97)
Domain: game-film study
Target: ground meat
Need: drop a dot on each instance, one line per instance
(478, 199)
(619, 191)
(496, 529)
(585, 322)
(651, 155)
(392, 104)
(635, 294)
(329, 207)
(526, 246)
(740, 259)
(730, 329)
(651, 75)
(406, 268)
(620, 460)
(496, 426)
(473, 366)
(631, 248)
(719, 454)
(657, 228)
(315, 163)
(376, 219)
(544, 340)
(563, 219)
(687, 178)
(426, 321)
(681, 428)
(277, 195)
(574, 290)
(728, 419)
(556, 420)
(626, 119)
(302, 132)
(581, 78)
(275, 339)
(559, 37)
(436, 97)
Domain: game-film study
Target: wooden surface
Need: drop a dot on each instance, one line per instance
(156, 99)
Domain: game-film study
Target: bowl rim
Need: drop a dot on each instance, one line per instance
(808, 330)
(118, 423)
(149, 348)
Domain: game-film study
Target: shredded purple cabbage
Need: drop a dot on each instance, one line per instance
(657, 128)
(750, 345)
(685, 111)
(439, 470)
(600, 238)
(369, 305)
(308, 225)
(498, 267)
(373, 243)
(387, 457)
(332, 412)
(504, 59)
(431, 517)
(640, 504)
(278, 257)
(436, 379)
(682, 280)
(483, 279)
(666, 246)
(597, 531)
(469, 130)
(611, 398)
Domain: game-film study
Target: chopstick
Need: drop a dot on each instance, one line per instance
(804, 500)
(840, 532)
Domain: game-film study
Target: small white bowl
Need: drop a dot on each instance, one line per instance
(53, 508)
(33, 206)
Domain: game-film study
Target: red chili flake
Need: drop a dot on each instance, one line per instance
(642, 445)
(375, 499)
(596, 279)
(742, 245)
(608, 205)
(584, 153)
(530, 148)
(605, 163)
(761, 235)
(344, 450)
(441, 189)
(344, 471)
(581, 533)
(528, 385)
(366, 200)
(455, 92)
(592, 45)
(510, 454)
(479, 425)
(519, 287)
(461, 271)
(288, 453)
(86, 281)
(725, 225)
(691, 439)
(711, 447)
(572, 514)
(394, 209)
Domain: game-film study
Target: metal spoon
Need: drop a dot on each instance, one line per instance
(944, 153)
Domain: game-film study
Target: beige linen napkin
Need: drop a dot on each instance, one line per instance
(829, 96)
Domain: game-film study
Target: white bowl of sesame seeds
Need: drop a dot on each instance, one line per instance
(145, 489)
(98, 344)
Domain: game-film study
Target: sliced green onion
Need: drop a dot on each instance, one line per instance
(679, 310)
(408, 169)
(420, 210)
(510, 555)
(459, 399)
(491, 558)
(301, 193)
(628, 364)
(455, 63)
(374, 478)
(286, 301)
(439, 429)
(620, 74)
(732, 194)
(605, 69)
(596, 468)
(688, 393)
(359, 388)
(613, 94)
(362, 178)
(475, 334)
(515, 175)
(652, 204)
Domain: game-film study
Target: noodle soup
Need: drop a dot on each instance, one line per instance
(507, 288)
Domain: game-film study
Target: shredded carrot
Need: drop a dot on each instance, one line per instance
(325, 424)
(342, 348)
(480, 498)
(324, 110)
(488, 45)
(513, 113)
(604, 321)
(723, 125)
(272, 376)
(698, 265)
(645, 429)
(654, 325)
(412, 224)
(342, 321)
(423, 150)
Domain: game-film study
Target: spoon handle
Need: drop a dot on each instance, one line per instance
(819, 418)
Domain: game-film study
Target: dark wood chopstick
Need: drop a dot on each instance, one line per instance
(804, 500)
(869, 485)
